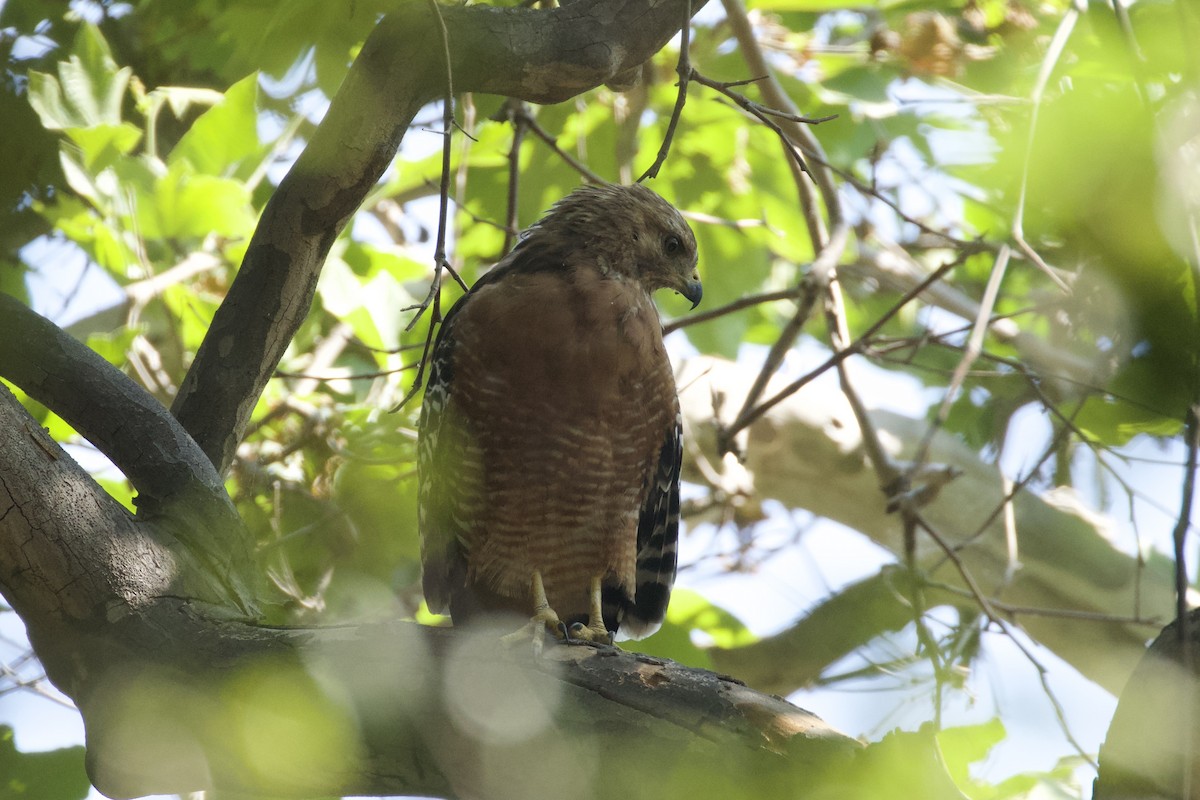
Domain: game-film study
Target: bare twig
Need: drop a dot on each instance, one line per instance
(1014, 610)
(974, 347)
(1053, 53)
(514, 175)
(811, 289)
(829, 248)
(989, 611)
(433, 298)
(839, 336)
(763, 114)
(729, 308)
(747, 415)
(684, 69)
(532, 124)
(1182, 524)
(1187, 641)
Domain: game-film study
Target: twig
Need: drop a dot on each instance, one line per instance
(829, 249)
(729, 308)
(354, 376)
(532, 124)
(886, 474)
(839, 337)
(684, 69)
(1187, 642)
(433, 298)
(514, 176)
(1053, 53)
(974, 348)
(990, 612)
(763, 114)
(747, 416)
(1058, 613)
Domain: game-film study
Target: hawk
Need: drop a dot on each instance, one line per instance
(549, 439)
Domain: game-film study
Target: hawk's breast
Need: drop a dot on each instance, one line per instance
(565, 393)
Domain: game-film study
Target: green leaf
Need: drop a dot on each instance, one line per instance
(45, 95)
(1113, 421)
(101, 145)
(88, 91)
(865, 85)
(51, 775)
(904, 764)
(226, 135)
(960, 747)
(186, 205)
(113, 345)
(120, 490)
(689, 611)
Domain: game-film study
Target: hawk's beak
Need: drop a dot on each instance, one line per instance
(693, 290)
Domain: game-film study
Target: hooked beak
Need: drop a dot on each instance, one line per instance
(693, 290)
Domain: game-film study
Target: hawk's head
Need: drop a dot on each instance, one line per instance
(628, 230)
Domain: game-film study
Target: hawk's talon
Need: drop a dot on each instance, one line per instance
(544, 620)
(592, 634)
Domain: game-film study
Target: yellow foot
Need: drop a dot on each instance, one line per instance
(534, 631)
(595, 630)
(544, 619)
(591, 632)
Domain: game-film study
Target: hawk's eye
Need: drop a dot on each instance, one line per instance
(672, 245)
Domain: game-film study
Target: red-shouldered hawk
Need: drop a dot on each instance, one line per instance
(549, 439)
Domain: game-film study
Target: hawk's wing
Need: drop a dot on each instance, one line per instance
(657, 539)
(449, 464)
(443, 498)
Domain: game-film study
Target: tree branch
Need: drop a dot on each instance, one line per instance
(99, 401)
(806, 452)
(401, 708)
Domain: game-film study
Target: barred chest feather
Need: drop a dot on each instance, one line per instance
(565, 395)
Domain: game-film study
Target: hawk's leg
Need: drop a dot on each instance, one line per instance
(544, 618)
(595, 630)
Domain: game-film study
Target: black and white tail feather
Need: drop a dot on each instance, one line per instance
(657, 543)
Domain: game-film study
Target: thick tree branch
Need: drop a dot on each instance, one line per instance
(102, 403)
(404, 709)
(542, 56)
(175, 481)
(71, 556)
(176, 696)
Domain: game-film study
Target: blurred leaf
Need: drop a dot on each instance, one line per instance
(192, 205)
(962, 746)
(688, 612)
(812, 6)
(113, 345)
(225, 135)
(51, 775)
(100, 145)
(865, 84)
(88, 90)
(1113, 421)
(902, 765)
